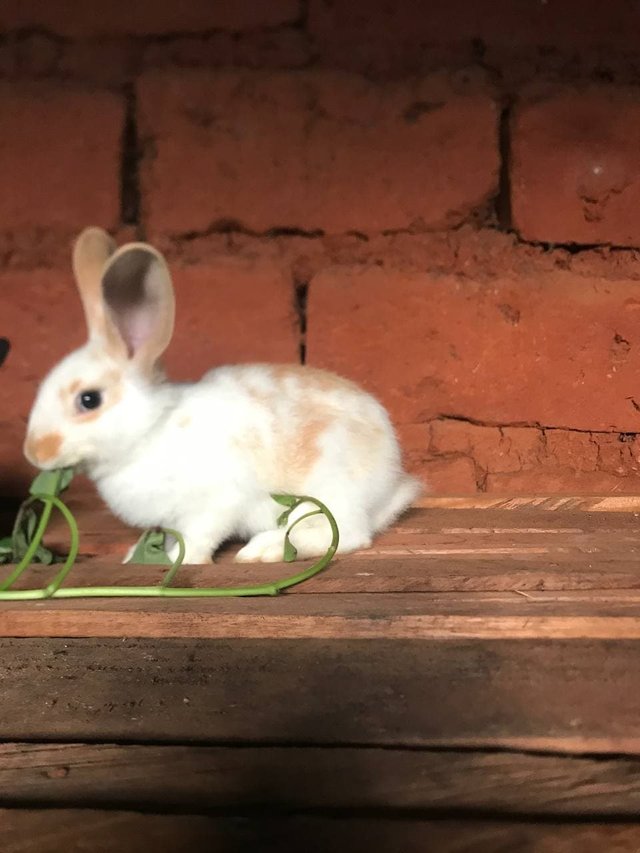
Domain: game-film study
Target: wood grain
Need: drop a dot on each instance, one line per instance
(103, 535)
(92, 831)
(480, 660)
(563, 696)
(438, 574)
(555, 503)
(298, 778)
(611, 615)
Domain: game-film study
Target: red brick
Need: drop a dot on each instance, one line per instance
(59, 157)
(119, 17)
(493, 449)
(106, 63)
(618, 454)
(42, 318)
(313, 150)
(575, 171)
(521, 460)
(550, 481)
(359, 34)
(32, 54)
(455, 476)
(282, 48)
(551, 348)
(231, 309)
(580, 451)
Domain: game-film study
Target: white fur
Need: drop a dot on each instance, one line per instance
(204, 458)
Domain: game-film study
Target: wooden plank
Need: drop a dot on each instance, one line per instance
(609, 615)
(555, 503)
(86, 831)
(435, 515)
(561, 696)
(407, 573)
(83, 494)
(102, 534)
(302, 779)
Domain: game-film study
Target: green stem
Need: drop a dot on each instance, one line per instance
(55, 584)
(170, 575)
(25, 562)
(324, 561)
(55, 590)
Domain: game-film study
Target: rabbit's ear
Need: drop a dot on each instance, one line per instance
(138, 294)
(91, 251)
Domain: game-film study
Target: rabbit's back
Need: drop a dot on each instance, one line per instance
(288, 420)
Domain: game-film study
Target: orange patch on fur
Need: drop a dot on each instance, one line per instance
(300, 449)
(111, 378)
(308, 448)
(184, 421)
(313, 378)
(114, 396)
(71, 391)
(313, 405)
(46, 448)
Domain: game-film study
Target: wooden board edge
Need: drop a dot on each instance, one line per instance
(558, 503)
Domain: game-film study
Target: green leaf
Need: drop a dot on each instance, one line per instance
(6, 550)
(15, 547)
(23, 532)
(282, 519)
(45, 483)
(290, 550)
(286, 500)
(66, 476)
(51, 482)
(150, 549)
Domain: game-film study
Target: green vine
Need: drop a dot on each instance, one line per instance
(24, 547)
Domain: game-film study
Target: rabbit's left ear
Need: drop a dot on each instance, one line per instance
(91, 251)
(138, 294)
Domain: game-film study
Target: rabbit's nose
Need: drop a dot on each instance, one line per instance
(42, 450)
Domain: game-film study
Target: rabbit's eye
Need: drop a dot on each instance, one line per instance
(88, 400)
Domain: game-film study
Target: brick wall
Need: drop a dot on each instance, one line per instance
(439, 200)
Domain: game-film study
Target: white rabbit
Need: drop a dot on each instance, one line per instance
(204, 458)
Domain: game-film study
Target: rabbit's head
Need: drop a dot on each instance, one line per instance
(97, 398)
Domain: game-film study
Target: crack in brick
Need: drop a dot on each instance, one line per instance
(301, 292)
(235, 227)
(299, 21)
(529, 452)
(503, 198)
(531, 424)
(230, 226)
(25, 47)
(130, 196)
(419, 108)
(594, 206)
(571, 248)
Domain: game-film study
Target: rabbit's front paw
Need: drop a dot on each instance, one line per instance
(267, 547)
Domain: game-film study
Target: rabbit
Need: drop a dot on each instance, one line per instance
(204, 458)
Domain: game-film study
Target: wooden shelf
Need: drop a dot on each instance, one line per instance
(462, 685)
